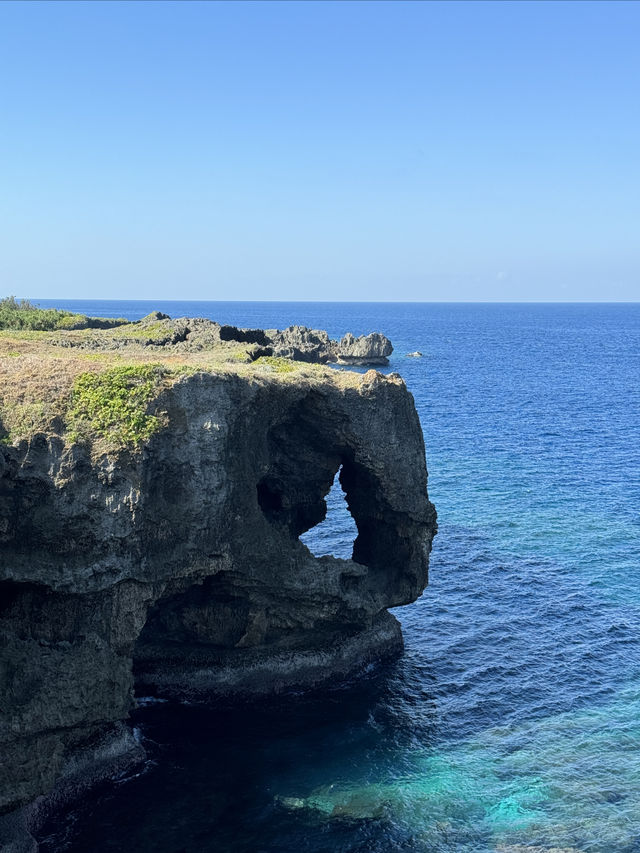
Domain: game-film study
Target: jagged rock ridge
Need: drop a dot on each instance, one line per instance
(197, 333)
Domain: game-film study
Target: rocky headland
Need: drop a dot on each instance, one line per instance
(155, 479)
(194, 334)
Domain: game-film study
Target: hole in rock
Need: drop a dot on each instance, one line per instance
(336, 534)
(269, 499)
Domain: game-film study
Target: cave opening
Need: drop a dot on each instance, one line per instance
(270, 500)
(336, 534)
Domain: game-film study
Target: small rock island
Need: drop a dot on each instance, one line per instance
(155, 478)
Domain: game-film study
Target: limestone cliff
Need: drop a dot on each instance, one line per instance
(176, 563)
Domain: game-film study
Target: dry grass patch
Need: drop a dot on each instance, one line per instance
(105, 397)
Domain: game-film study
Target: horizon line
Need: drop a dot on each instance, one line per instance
(345, 301)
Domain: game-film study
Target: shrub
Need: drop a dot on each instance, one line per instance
(24, 315)
(15, 314)
(113, 405)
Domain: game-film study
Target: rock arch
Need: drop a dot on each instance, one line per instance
(181, 564)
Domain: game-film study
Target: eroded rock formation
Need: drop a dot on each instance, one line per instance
(192, 334)
(367, 349)
(179, 565)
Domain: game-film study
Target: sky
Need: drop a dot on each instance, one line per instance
(320, 150)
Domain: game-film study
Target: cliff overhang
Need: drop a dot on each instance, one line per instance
(166, 551)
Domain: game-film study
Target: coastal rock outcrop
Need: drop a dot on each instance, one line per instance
(316, 346)
(178, 566)
(367, 349)
(301, 343)
(194, 334)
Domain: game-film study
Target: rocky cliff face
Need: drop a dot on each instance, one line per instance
(179, 565)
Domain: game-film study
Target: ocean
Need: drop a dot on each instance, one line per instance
(511, 724)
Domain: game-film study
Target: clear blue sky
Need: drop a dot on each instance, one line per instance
(331, 150)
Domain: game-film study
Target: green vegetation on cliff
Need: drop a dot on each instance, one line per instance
(24, 315)
(278, 365)
(112, 406)
(21, 314)
(103, 387)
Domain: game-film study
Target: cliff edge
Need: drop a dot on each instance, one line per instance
(150, 515)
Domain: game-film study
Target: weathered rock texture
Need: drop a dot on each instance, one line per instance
(367, 349)
(314, 345)
(181, 563)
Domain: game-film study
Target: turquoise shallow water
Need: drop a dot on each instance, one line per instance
(512, 722)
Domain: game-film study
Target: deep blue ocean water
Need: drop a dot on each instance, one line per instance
(512, 722)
